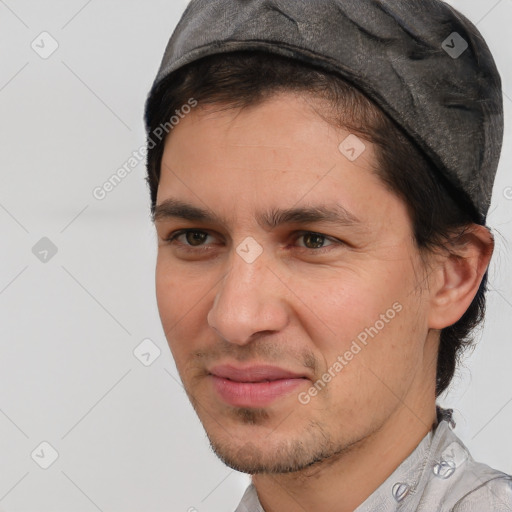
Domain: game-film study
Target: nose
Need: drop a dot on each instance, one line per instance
(250, 300)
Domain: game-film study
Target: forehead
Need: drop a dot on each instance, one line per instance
(280, 152)
(285, 133)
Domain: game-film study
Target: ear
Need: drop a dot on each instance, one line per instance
(458, 274)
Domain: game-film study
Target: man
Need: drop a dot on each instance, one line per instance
(320, 173)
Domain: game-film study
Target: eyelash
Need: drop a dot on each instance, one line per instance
(174, 235)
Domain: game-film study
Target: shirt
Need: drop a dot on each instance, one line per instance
(438, 476)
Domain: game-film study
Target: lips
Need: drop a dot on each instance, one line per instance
(254, 386)
(254, 373)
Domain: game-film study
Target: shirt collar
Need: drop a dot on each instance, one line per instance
(405, 485)
(404, 488)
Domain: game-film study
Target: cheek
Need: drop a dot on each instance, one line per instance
(176, 302)
(184, 297)
(177, 288)
(366, 379)
(374, 322)
(166, 286)
(346, 304)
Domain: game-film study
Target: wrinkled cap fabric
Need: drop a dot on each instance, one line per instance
(424, 63)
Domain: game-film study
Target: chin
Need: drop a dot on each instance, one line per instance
(268, 451)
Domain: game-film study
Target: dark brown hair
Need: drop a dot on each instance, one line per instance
(242, 79)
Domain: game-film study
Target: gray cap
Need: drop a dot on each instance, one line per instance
(425, 64)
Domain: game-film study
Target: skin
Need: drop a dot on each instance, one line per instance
(303, 301)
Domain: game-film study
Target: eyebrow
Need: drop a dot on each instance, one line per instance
(336, 214)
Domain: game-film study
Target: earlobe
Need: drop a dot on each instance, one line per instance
(459, 275)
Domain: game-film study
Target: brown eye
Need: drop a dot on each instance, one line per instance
(189, 237)
(313, 240)
(195, 238)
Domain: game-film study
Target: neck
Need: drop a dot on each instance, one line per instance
(346, 480)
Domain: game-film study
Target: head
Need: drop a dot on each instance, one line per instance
(374, 307)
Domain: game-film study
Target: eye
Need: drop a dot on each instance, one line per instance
(192, 239)
(316, 240)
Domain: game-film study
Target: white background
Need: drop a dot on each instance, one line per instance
(127, 438)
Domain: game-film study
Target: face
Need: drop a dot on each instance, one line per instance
(288, 284)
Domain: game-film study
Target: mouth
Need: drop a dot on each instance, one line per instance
(254, 386)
